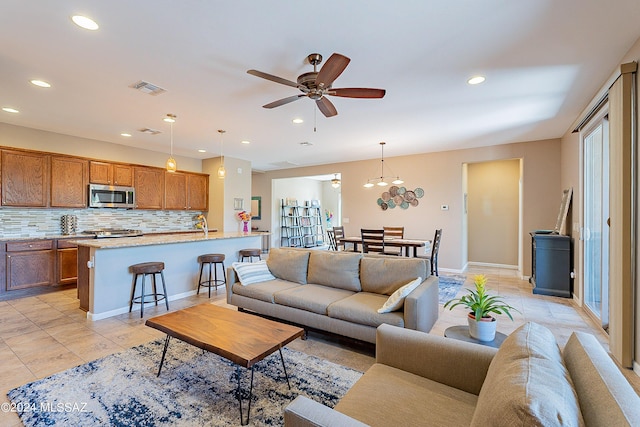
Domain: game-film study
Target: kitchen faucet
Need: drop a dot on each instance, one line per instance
(203, 224)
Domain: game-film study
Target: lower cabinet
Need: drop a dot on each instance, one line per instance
(29, 264)
(67, 256)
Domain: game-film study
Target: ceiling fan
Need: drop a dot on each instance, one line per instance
(317, 84)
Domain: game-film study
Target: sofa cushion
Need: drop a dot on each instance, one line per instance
(387, 396)
(605, 396)
(362, 308)
(252, 272)
(384, 275)
(396, 300)
(335, 270)
(264, 291)
(289, 264)
(314, 298)
(527, 384)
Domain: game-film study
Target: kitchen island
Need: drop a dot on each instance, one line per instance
(104, 279)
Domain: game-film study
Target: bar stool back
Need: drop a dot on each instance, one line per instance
(215, 259)
(249, 253)
(144, 269)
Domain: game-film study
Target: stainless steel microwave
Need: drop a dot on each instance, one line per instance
(111, 196)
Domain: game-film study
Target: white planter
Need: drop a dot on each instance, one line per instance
(484, 330)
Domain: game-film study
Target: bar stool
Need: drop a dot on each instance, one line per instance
(249, 253)
(215, 259)
(144, 269)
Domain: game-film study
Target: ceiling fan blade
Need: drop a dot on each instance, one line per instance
(272, 78)
(326, 107)
(330, 71)
(357, 92)
(283, 101)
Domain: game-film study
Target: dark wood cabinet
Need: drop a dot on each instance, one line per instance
(149, 185)
(110, 173)
(29, 264)
(69, 180)
(551, 257)
(25, 179)
(186, 191)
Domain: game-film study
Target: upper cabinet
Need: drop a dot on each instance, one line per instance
(149, 187)
(69, 180)
(25, 179)
(186, 191)
(110, 173)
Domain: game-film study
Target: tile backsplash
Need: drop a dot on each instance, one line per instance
(46, 222)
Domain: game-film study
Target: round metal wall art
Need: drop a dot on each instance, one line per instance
(400, 196)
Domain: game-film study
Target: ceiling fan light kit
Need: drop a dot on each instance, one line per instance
(317, 85)
(335, 182)
(382, 180)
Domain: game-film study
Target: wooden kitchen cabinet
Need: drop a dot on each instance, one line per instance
(67, 262)
(198, 192)
(25, 179)
(110, 173)
(186, 191)
(29, 264)
(69, 180)
(149, 185)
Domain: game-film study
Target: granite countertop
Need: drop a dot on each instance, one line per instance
(163, 239)
(82, 235)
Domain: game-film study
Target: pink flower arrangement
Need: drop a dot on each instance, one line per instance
(244, 216)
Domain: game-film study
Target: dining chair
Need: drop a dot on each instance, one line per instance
(338, 233)
(433, 255)
(332, 240)
(393, 233)
(372, 240)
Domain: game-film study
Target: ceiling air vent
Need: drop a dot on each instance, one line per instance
(150, 131)
(147, 87)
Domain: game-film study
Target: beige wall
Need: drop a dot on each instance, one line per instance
(493, 212)
(34, 139)
(222, 192)
(440, 175)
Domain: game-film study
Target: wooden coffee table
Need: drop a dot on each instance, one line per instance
(242, 338)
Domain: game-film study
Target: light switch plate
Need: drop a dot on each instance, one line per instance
(444, 207)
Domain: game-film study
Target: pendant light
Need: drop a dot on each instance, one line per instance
(171, 164)
(221, 170)
(335, 182)
(382, 180)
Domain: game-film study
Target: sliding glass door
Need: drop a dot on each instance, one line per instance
(596, 213)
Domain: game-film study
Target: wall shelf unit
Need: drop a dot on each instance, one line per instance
(301, 226)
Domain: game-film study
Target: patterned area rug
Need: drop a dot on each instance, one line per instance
(194, 389)
(449, 287)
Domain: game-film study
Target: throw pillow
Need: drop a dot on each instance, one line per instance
(252, 272)
(396, 300)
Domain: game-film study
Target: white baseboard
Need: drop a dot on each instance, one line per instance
(99, 316)
(491, 265)
(636, 368)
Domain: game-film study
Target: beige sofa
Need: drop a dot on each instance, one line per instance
(423, 379)
(339, 292)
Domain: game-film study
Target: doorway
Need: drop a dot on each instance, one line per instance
(493, 206)
(595, 234)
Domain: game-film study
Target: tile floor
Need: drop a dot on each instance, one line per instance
(42, 335)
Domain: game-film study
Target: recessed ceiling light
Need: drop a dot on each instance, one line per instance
(10, 110)
(202, 151)
(245, 142)
(84, 22)
(475, 80)
(40, 83)
(126, 135)
(297, 121)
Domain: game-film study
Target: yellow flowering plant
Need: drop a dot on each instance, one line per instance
(480, 302)
(244, 216)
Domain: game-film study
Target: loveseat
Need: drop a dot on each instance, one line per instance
(424, 379)
(337, 292)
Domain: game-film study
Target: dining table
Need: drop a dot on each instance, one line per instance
(407, 246)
